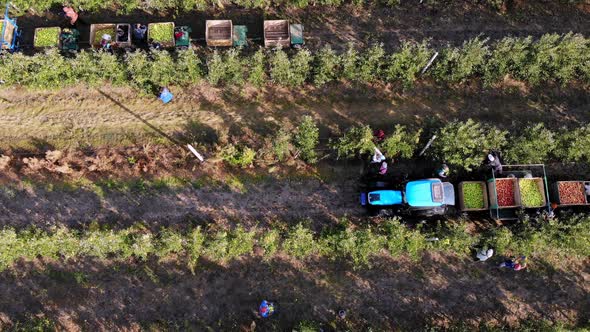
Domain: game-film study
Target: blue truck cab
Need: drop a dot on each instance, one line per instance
(429, 196)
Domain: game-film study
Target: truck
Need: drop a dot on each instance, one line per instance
(425, 197)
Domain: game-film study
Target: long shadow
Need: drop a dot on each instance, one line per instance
(151, 126)
(394, 294)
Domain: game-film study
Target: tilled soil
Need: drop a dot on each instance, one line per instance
(396, 294)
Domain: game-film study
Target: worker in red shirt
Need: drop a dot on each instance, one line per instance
(70, 15)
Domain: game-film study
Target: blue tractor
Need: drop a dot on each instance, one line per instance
(427, 197)
(9, 33)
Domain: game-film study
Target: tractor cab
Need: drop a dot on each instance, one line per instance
(429, 197)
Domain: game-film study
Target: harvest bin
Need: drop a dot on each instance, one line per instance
(277, 33)
(167, 41)
(218, 33)
(484, 194)
(541, 187)
(38, 31)
(492, 193)
(563, 201)
(97, 30)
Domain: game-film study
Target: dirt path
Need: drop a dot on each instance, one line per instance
(80, 116)
(394, 295)
(266, 201)
(451, 22)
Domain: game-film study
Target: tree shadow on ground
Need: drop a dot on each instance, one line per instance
(393, 294)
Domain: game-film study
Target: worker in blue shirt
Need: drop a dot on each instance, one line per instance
(266, 309)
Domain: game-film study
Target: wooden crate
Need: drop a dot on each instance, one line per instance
(276, 33)
(219, 32)
(484, 194)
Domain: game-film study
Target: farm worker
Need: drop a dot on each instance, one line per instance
(483, 255)
(378, 156)
(154, 44)
(515, 264)
(139, 32)
(266, 309)
(165, 95)
(379, 135)
(105, 43)
(443, 171)
(383, 168)
(70, 14)
(494, 163)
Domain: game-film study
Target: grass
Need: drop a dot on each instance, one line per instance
(83, 117)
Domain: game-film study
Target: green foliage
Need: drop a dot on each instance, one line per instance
(405, 65)
(553, 239)
(455, 238)
(371, 64)
(140, 69)
(509, 57)
(292, 72)
(307, 326)
(355, 141)
(574, 144)
(169, 242)
(458, 64)
(226, 69)
(463, 144)
(533, 146)
(326, 66)
(143, 245)
(188, 67)
(194, 247)
(349, 62)
(400, 142)
(552, 58)
(541, 67)
(357, 246)
(270, 242)
(163, 71)
(257, 69)
(240, 243)
(300, 67)
(306, 139)
(571, 57)
(281, 144)
(401, 240)
(300, 242)
(238, 156)
(280, 68)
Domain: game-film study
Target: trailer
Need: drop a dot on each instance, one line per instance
(518, 182)
(219, 32)
(9, 32)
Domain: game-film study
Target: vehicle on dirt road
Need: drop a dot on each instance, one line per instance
(426, 197)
